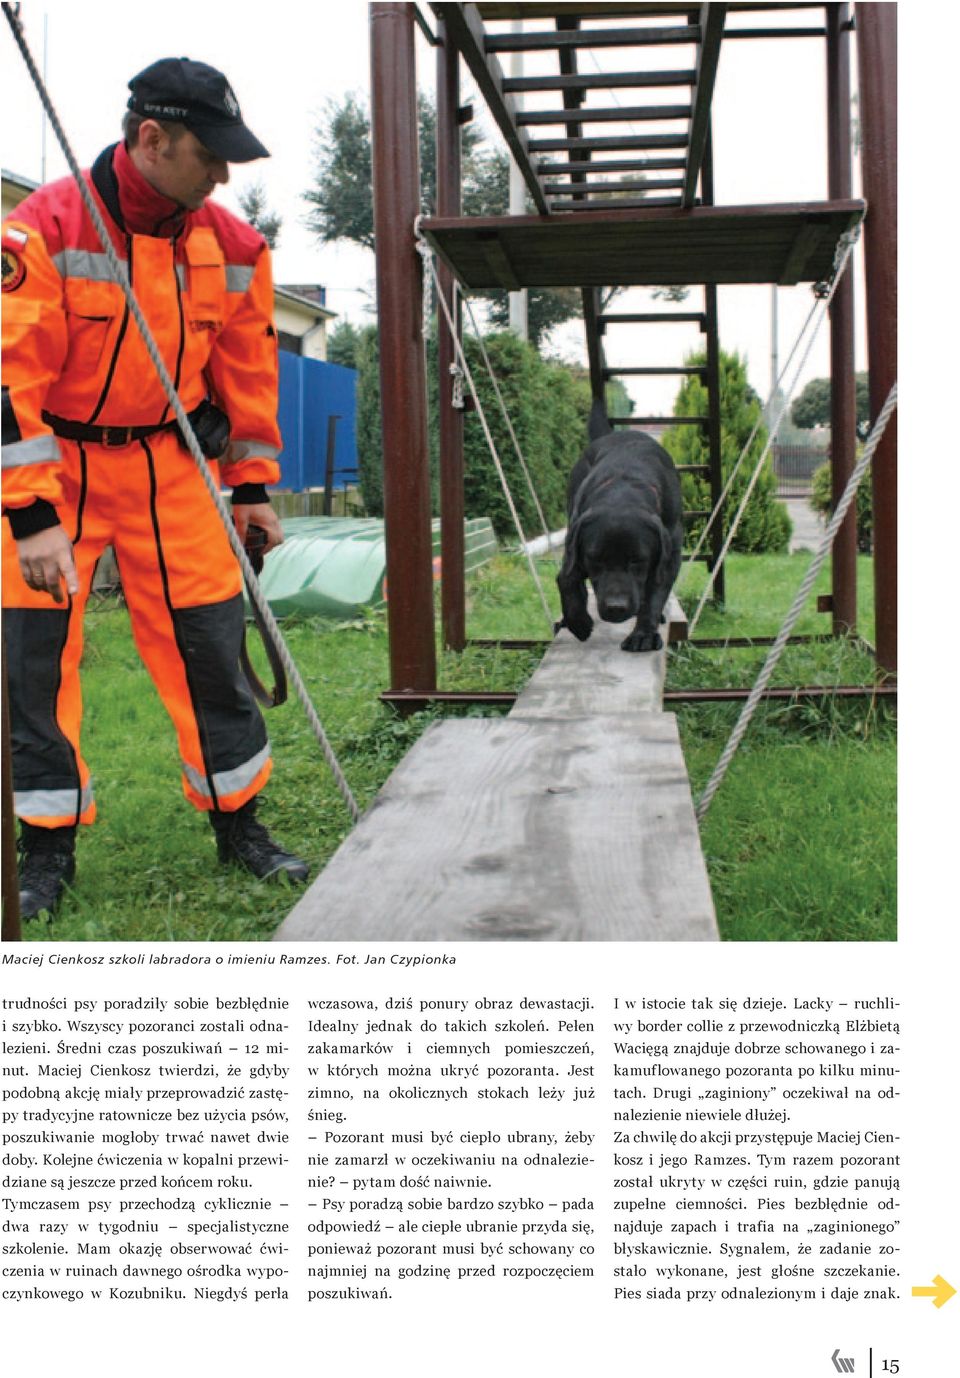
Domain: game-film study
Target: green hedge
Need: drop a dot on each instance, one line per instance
(548, 403)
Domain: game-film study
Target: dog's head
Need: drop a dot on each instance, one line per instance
(618, 552)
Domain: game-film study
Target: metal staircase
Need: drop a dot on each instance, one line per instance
(563, 148)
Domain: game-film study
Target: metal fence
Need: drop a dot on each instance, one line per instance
(794, 467)
(318, 422)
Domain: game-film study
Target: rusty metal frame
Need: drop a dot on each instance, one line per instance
(465, 28)
(712, 18)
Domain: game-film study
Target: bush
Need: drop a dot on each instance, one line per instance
(821, 500)
(549, 419)
(369, 437)
(765, 525)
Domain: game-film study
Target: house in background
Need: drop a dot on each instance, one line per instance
(15, 189)
(301, 317)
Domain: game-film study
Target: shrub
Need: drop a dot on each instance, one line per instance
(369, 441)
(821, 500)
(765, 525)
(548, 403)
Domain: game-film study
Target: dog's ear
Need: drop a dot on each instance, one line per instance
(572, 568)
(660, 537)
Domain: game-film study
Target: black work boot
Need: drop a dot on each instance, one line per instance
(245, 842)
(47, 864)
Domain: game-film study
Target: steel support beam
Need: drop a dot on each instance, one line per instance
(877, 66)
(843, 392)
(711, 27)
(465, 29)
(595, 355)
(406, 474)
(452, 553)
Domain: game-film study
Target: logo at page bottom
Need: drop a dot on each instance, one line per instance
(842, 1365)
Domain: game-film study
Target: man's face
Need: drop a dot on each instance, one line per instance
(185, 171)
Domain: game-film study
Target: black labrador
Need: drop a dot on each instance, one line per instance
(624, 534)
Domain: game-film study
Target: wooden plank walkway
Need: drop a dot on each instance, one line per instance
(569, 820)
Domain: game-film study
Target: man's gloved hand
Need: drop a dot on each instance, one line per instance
(46, 562)
(258, 514)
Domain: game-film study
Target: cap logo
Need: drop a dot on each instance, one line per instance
(168, 112)
(231, 103)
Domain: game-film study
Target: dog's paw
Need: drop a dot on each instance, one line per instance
(581, 624)
(642, 641)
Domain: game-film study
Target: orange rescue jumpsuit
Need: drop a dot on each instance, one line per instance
(72, 354)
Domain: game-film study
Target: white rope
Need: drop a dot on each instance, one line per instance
(763, 679)
(844, 250)
(426, 253)
(506, 417)
(189, 437)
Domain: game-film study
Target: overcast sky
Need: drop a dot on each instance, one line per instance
(286, 60)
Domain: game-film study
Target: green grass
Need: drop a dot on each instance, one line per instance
(799, 841)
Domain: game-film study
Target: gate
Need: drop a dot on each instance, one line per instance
(794, 467)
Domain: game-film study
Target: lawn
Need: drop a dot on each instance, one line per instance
(800, 840)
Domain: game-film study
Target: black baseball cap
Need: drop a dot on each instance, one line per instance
(200, 97)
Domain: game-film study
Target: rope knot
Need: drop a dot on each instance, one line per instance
(456, 373)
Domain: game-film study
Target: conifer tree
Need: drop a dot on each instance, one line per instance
(765, 525)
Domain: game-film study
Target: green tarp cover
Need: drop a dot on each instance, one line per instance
(334, 566)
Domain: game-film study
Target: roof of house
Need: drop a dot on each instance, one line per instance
(296, 297)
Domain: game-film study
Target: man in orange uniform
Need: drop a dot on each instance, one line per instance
(92, 458)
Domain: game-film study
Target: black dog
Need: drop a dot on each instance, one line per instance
(624, 534)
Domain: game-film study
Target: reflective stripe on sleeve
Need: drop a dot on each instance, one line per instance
(52, 803)
(227, 782)
(249, 449)
(42, 449)
(239, 277)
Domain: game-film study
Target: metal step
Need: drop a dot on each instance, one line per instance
(659, 420)
(614, 165)
(584, 188)
(590, 38)
(599, 81)
(649, 317)
(652, 372)
(625, 141)
(621, 203)
(604, 114)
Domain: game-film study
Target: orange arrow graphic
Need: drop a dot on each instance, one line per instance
(941, 1291)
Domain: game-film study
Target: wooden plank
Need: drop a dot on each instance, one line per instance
(579, 678)
(496, 256)
(655, 245)
(803, 247)
(545, 830)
